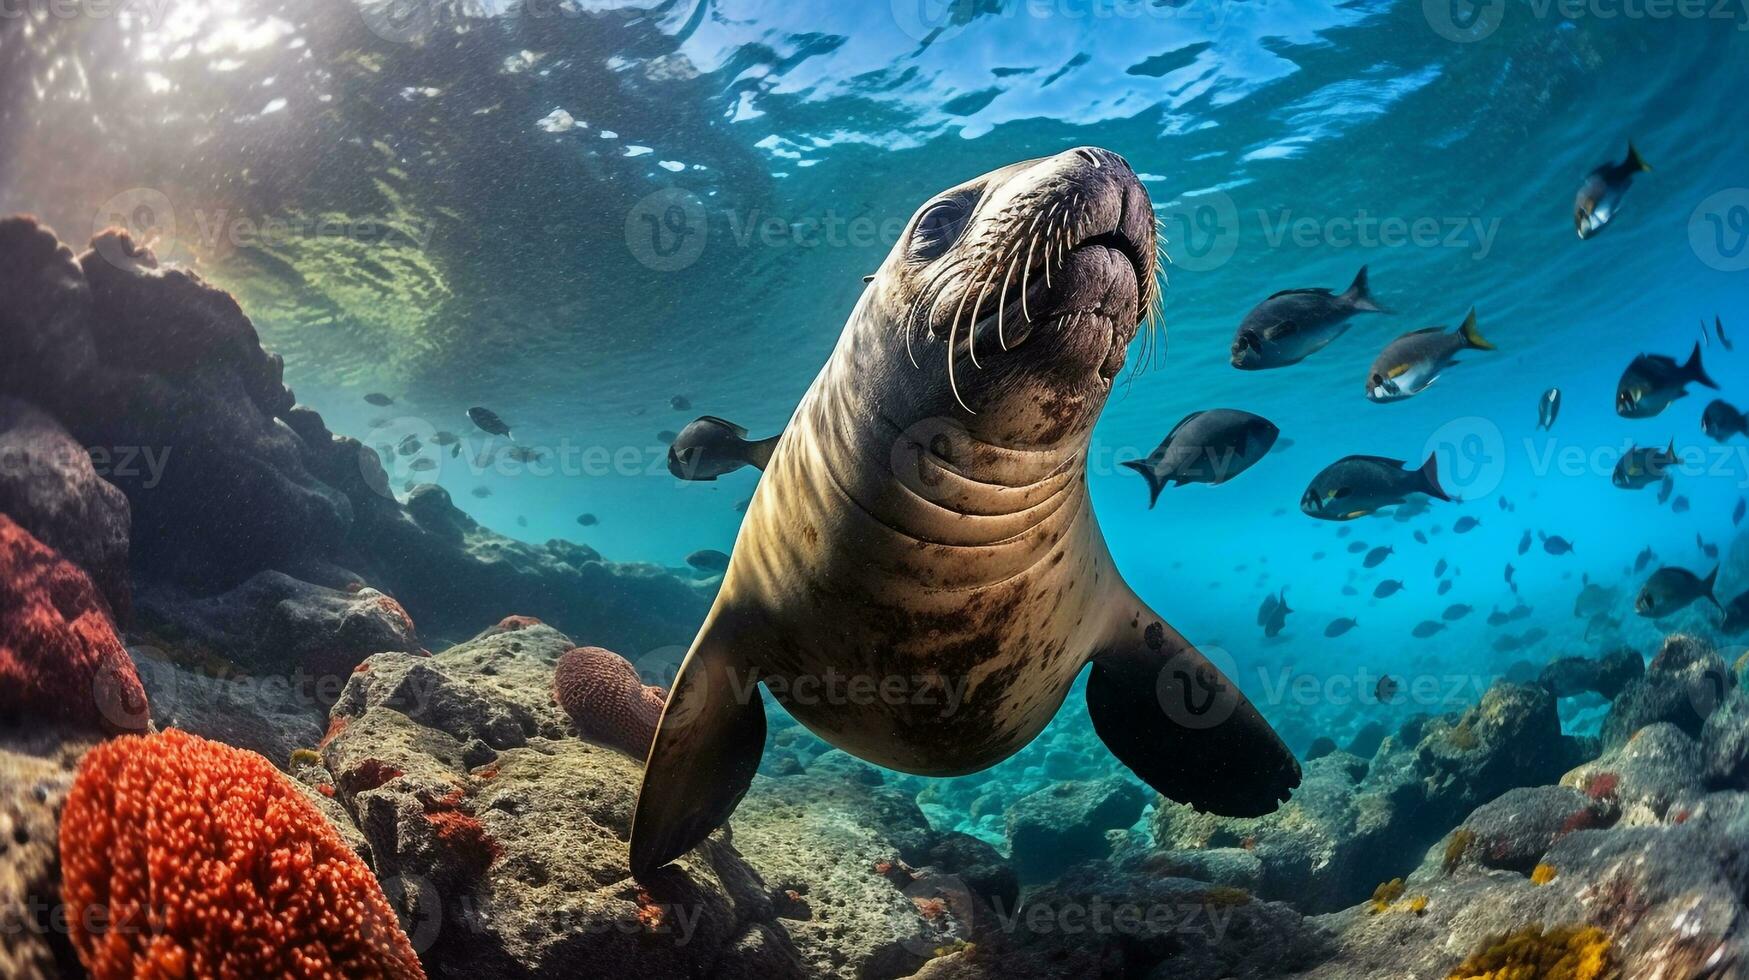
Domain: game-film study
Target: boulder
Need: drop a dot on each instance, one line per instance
(1056, 827)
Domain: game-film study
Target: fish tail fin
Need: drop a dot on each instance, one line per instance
(1430, 478)
(1635, 162)
(1473, 336)
(757, 452)
(1155, 481)
(1360, 296)
(1707, 584)
(1696, 372)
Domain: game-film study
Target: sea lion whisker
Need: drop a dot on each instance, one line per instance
(1002, 301)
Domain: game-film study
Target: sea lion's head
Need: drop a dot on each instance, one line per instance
(1035, 278)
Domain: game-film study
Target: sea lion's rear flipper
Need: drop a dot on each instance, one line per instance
(1187, 730)
(702, 760)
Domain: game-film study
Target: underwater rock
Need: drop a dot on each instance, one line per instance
(43, 323)
(1682, 685)
(1062, 824)
(36, 770)
(603, 695)
(1644, 776)
(1351, 822)
(48, 486)
(273, 624)
(503, 837)
(1606, 675)
(60, 658)
(124, 865)
(1513, 831)
(1724, 740)
(266, 714)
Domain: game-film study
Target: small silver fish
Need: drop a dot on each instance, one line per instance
(1415, 360)
(1548, 409)
(1600, 195)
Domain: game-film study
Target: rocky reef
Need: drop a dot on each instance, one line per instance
(211, 605)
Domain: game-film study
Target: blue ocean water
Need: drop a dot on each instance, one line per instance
(695, 219)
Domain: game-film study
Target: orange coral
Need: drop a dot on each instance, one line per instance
(59, 656)
(185, 858)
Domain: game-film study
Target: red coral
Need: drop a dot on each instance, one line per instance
(1602, 785)
(183, 857)
(60, 659)
(368, 775)
(336, 725)
(609, 703)
(462, 835)
(511, 624)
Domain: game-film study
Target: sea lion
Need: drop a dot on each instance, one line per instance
(920, 577)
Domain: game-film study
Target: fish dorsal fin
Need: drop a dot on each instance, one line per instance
(1383, 460)
(1424, 330)
(739, 431)
(1182, 423)
(1309, 291)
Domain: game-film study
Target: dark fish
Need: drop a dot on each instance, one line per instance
(1652, 381)
(1388, 587)
(1439, 568)
(379, 399)
(1283, 445)
(1519, 611)
(1737, 512)
(1355, 486)
(445, 438)
(1671, 589)
(1276, 620)
(1385, 689)
(1509, 581)
(1356, 547)
(1426, 628)
(1665, 487)
(588, 520)
(680, 403)
(1415, 360)
(1444, 587)
(1548, 408)
(481, 492)
(1498, 618)
(708, 559)
(1533, 636)
(488, 421)
(1465, 524)
(1643, 559)
(1377, 556)
(1317, 556)
(1679, 505)
(1600, 623)
(1554, 544)
(1350, 590)
(524, 454)
(1343, 532)
(1455, 612)
(1507, 644)
(1736, 615)
(1600, 195)
(1524, 542)
(1710, 550)
(1720, 421)
(1294, 324)
(667, 437)
(1719, 331)
(1210, 446)
(455, 450)
(1639, 467)
(421, 464)
(485, 458)
(378, 423)
(1421, 537)
(521, 521)
(409, 445)
(1338, 627)
(709, 447)
(741, 508)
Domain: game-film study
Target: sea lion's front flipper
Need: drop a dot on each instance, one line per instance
(706, 749)
(1187, 730)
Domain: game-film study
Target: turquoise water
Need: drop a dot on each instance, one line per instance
(510, 266)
